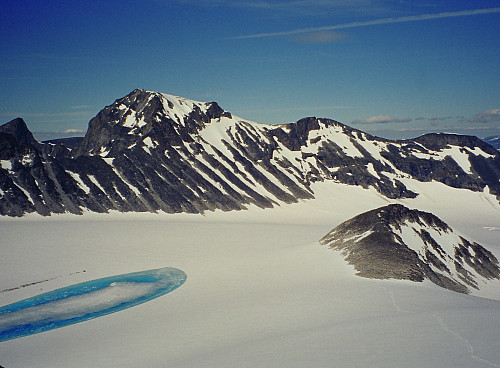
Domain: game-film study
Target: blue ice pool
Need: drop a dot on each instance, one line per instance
(84, 301)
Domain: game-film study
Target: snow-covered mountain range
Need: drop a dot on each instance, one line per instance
(261, 289)
(150, 151)
(396, 242)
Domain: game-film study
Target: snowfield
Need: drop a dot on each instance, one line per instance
(260, 290)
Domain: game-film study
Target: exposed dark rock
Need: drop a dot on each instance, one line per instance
(70, 142)
(19, 131)
(150, 151)
(395, 242)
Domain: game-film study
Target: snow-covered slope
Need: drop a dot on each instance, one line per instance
(260, 290)
(259, 293)
(396, 242)
(150, 151)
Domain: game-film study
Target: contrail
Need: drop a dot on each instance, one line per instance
(411, 18)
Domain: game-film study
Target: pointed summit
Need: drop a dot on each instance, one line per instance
(18, 129)
(142, 114)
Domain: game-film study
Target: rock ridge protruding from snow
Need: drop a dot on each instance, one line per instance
(395, 242)
(151, 151)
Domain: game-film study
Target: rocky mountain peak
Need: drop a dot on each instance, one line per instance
(400, 243)
(142, 114)
(438, 141)
(397, 215)
(151, 151)
(16, 140)
(19, 131)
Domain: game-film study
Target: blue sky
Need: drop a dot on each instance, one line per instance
(396, 69)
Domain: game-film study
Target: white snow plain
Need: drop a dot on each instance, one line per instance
(260, 290)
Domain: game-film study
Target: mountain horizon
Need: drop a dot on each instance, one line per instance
(151, 152)
(239, 207)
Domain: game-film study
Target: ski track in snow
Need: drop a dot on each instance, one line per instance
(392, 297)
(462, 339)
(441, 323)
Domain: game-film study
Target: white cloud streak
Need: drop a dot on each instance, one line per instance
(322, 37)
(72, 130)
(282, 5)
(80, 107)
(411, 18)
(489, 116)
(60, 132)
(381, 119)
(45, 114)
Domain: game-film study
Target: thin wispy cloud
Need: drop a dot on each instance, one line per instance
(382, 119)
(321, 37)
(489, 116)
(45, 114)
(80, 107)
(52, 134)
(405, 19)
(437, 119)
(73, 130)
(65, 131)
(297, 109)
(282, 5)
(441, 118)
(79, 114)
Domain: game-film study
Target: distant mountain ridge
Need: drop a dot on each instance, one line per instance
(494, 141)
(399, 243)
(70, 142)
(150, 151)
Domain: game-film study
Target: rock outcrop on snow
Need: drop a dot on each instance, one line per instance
(150, 151)
(395, 242)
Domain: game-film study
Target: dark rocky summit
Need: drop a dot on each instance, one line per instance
(150, 151)
(395, 242)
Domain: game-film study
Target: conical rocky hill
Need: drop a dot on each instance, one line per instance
(395, 242)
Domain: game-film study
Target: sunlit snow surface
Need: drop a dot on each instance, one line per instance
(262, 291)
(86, 300)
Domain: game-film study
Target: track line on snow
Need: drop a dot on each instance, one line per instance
(38, 282)
(466, 342)
(441, 322)
(394, 302)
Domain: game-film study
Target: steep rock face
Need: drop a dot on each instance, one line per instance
(397, 242)
(44, 178)
(143, 114)
(180, 155)
(19, 132)
(150, 151)
(31, 178)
